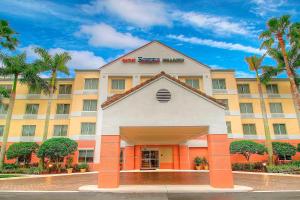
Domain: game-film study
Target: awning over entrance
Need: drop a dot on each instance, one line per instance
(161, 134)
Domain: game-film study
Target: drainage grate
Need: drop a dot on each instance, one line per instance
(163, 95)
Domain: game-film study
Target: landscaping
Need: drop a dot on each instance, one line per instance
(282, 152)
(55, 154)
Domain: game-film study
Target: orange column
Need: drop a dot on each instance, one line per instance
(220, 173)
(137, 157)
(109, 173)
(128, 161)
(184, 161)
(175, 157)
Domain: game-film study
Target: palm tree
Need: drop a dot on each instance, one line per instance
(7, 36)
(279, 30)
(53, 64)
(254, 63)
(23, 72)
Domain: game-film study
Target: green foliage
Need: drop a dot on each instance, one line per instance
(22, 151)
(286, 168)
(247, 148)
(56, 148)
(298, 147)
(198, 161)
(83, 166)
(69, 162)
(7, 36)
(283, 149)
(248, 166)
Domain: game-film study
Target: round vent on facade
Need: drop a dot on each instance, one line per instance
(163, 95)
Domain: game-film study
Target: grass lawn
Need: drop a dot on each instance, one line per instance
(7, 176)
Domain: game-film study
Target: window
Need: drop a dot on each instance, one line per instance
(193, 82)
(63, 109)
(7, 87)
(3, 108)
(249, 129)
(218, 84)
(88, 128)
(118, 84)
(89, 105)
(284, 157)
(272, 89)
(86, 156)
(60, 130)
(276, 108)
(279, 129)
(246, 107)
(243, 88)
(225, 102)
(91, 84)
(32, 109)
(228, 124)
(28, 130)
(1, 130)
(65, 89)
(33, 90)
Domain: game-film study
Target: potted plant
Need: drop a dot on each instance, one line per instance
(83, 167)
(69, 165)
(205, 163)
(198, 162)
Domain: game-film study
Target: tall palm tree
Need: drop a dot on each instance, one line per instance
(53, 64)
(279, 30)
(255, 64)
(7, 36)
(23, 72)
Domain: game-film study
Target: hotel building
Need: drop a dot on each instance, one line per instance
(155, 108)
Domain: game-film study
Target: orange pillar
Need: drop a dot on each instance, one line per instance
(109, 173)
(137, 157)
(220, 173)
(175, 157)
(128, 161)
(184, 161)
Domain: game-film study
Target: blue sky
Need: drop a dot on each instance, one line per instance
(218, 33)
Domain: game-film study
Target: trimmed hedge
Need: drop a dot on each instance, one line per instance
(247, 148)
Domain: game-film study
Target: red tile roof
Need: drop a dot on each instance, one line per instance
(117, 97)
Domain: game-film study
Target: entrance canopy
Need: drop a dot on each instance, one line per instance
(161, 134)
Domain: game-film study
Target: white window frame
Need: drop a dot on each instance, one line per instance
(31, 109)
(90, 105)
(277, 109)
(65, 105)
(28, 134)
(249, 129)
(242, 90)
(91, 83)
(88, 132)
(248, 108)
(118, 84)
(62, 128)
(281, 130)
(218, 84)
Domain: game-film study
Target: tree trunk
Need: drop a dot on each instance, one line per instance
(8, 120)
(291, 77)
(268, 140)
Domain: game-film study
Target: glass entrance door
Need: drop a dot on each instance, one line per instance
(150, 159)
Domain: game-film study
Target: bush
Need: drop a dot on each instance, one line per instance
(57, 148)
(7, 166)
(287, 168)
(283, 149)
(247, 148)
(298, 147)
(22, 151)
(248, 167)
(83, 166)
(198, 161)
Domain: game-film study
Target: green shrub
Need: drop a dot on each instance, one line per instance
(283, 149)
(22, 151)
(9, 166)
(287, 168)
(248, 166)
(247, 148)
(83, 166)
(198, 161)
(298, 147)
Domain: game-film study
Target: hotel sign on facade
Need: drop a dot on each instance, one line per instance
(144, 60)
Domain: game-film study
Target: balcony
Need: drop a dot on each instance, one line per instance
(220, 91)
(64, 96)
(248, 95)
(90, 91)
(30, 116)
(89, 113)
(33, 96)
(273, 95)
(277, 115)
(247, 115)
(61, 116)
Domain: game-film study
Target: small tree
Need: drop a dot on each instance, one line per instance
(284, 149)
(56, 149)
(22, 151)
(247, 148)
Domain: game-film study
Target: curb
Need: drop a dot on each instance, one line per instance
(264, 173)
(164, 189)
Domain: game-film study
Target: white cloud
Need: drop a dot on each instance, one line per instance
(103, 35)
(242, 74)
(80, 59)
(138, 12)
(217, 44)
(264, 7)
(217, 24)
